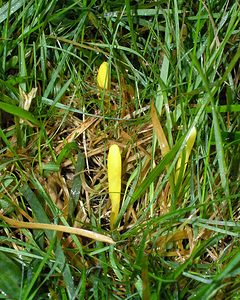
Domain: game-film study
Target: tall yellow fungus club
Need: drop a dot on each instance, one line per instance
(114, 166)
(103, 76)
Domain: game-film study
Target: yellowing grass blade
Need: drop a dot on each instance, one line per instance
(184, 156)
(159, 131)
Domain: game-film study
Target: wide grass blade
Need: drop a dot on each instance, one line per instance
(10, 277)
(19, 112)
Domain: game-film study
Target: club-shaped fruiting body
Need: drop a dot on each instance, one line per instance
(103, 76)
(114, 166)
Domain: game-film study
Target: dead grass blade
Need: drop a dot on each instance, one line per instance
(60, 228)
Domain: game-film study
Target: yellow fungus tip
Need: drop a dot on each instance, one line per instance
(103, 76)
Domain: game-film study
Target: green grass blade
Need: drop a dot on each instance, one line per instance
(15, 5)
(19, 112)
(10, 277)
(217, 133)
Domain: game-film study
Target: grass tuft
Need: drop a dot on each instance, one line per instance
(172, 66)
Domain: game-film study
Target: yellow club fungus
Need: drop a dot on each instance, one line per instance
(103, 76)
(114, 181)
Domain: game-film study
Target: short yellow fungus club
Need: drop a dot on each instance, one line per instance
(114, 181)
(103, 76)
